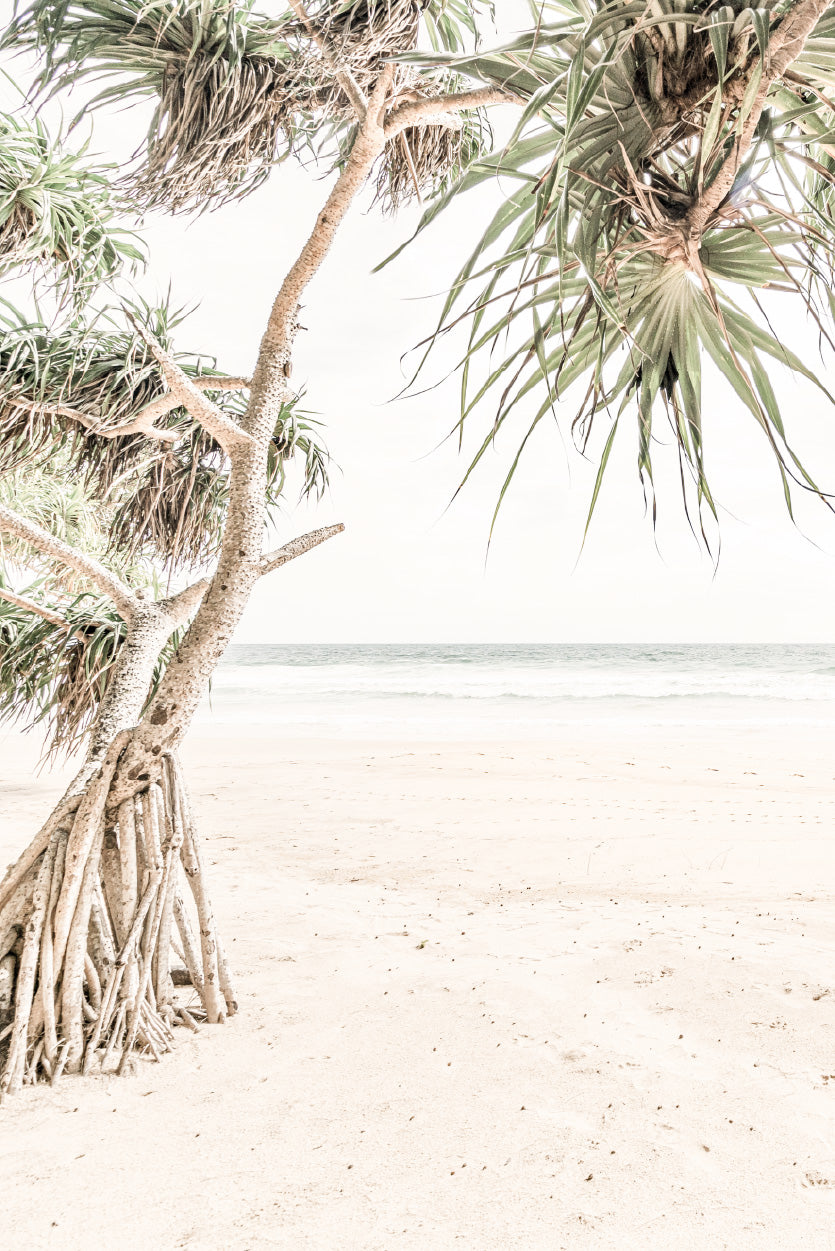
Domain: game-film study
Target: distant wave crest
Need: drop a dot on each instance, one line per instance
(455, 689)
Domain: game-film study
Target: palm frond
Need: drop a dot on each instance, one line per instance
(215, 71)
(164, 503)
(101, 367)
(597, 279)
(56, 677)
(51, 497)
(57, 211)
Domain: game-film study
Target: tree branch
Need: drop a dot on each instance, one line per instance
(56, 549)
(784, 46)
(39, 610)
(425, 112)
(345, 78)
(142, 423)
(220, 382)
(214, 421)
(182, 605)
(298, 547)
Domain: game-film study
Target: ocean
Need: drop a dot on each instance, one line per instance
(465, 691)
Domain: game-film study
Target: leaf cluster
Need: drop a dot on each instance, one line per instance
(234, 91)
(55, 677)
(423, 161)
(166, 503)
(58, 214)
(588, 281)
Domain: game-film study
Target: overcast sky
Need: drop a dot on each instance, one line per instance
(410, 568)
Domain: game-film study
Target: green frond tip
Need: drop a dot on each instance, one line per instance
(58, 213)
(658, 213)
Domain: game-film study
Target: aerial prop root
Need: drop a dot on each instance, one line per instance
(96, 930)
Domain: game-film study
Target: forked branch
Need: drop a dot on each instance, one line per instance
(345, 78)
(214, 421)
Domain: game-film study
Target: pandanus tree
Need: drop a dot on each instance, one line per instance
(102, 515)
(186, 463)
(666, 155)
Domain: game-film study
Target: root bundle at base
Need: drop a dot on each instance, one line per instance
(85, 979)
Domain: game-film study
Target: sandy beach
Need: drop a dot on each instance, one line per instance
(566, 994)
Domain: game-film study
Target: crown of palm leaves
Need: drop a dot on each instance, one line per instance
(624, 253)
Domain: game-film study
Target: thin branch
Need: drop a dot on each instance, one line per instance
(142, 423)
(425, 112)
(39, 610)
(379, 95)
(344, 77)
(784, 46)
(222, 428)
(56, 549)
(298, 547)
(220, 382)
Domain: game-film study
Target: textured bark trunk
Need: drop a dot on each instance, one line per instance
(88, 912)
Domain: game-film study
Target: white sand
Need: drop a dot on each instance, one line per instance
(500, 996)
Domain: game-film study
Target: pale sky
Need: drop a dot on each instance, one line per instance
(410, 569)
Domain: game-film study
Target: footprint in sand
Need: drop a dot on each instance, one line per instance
(818, 1179)
(647, 976)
